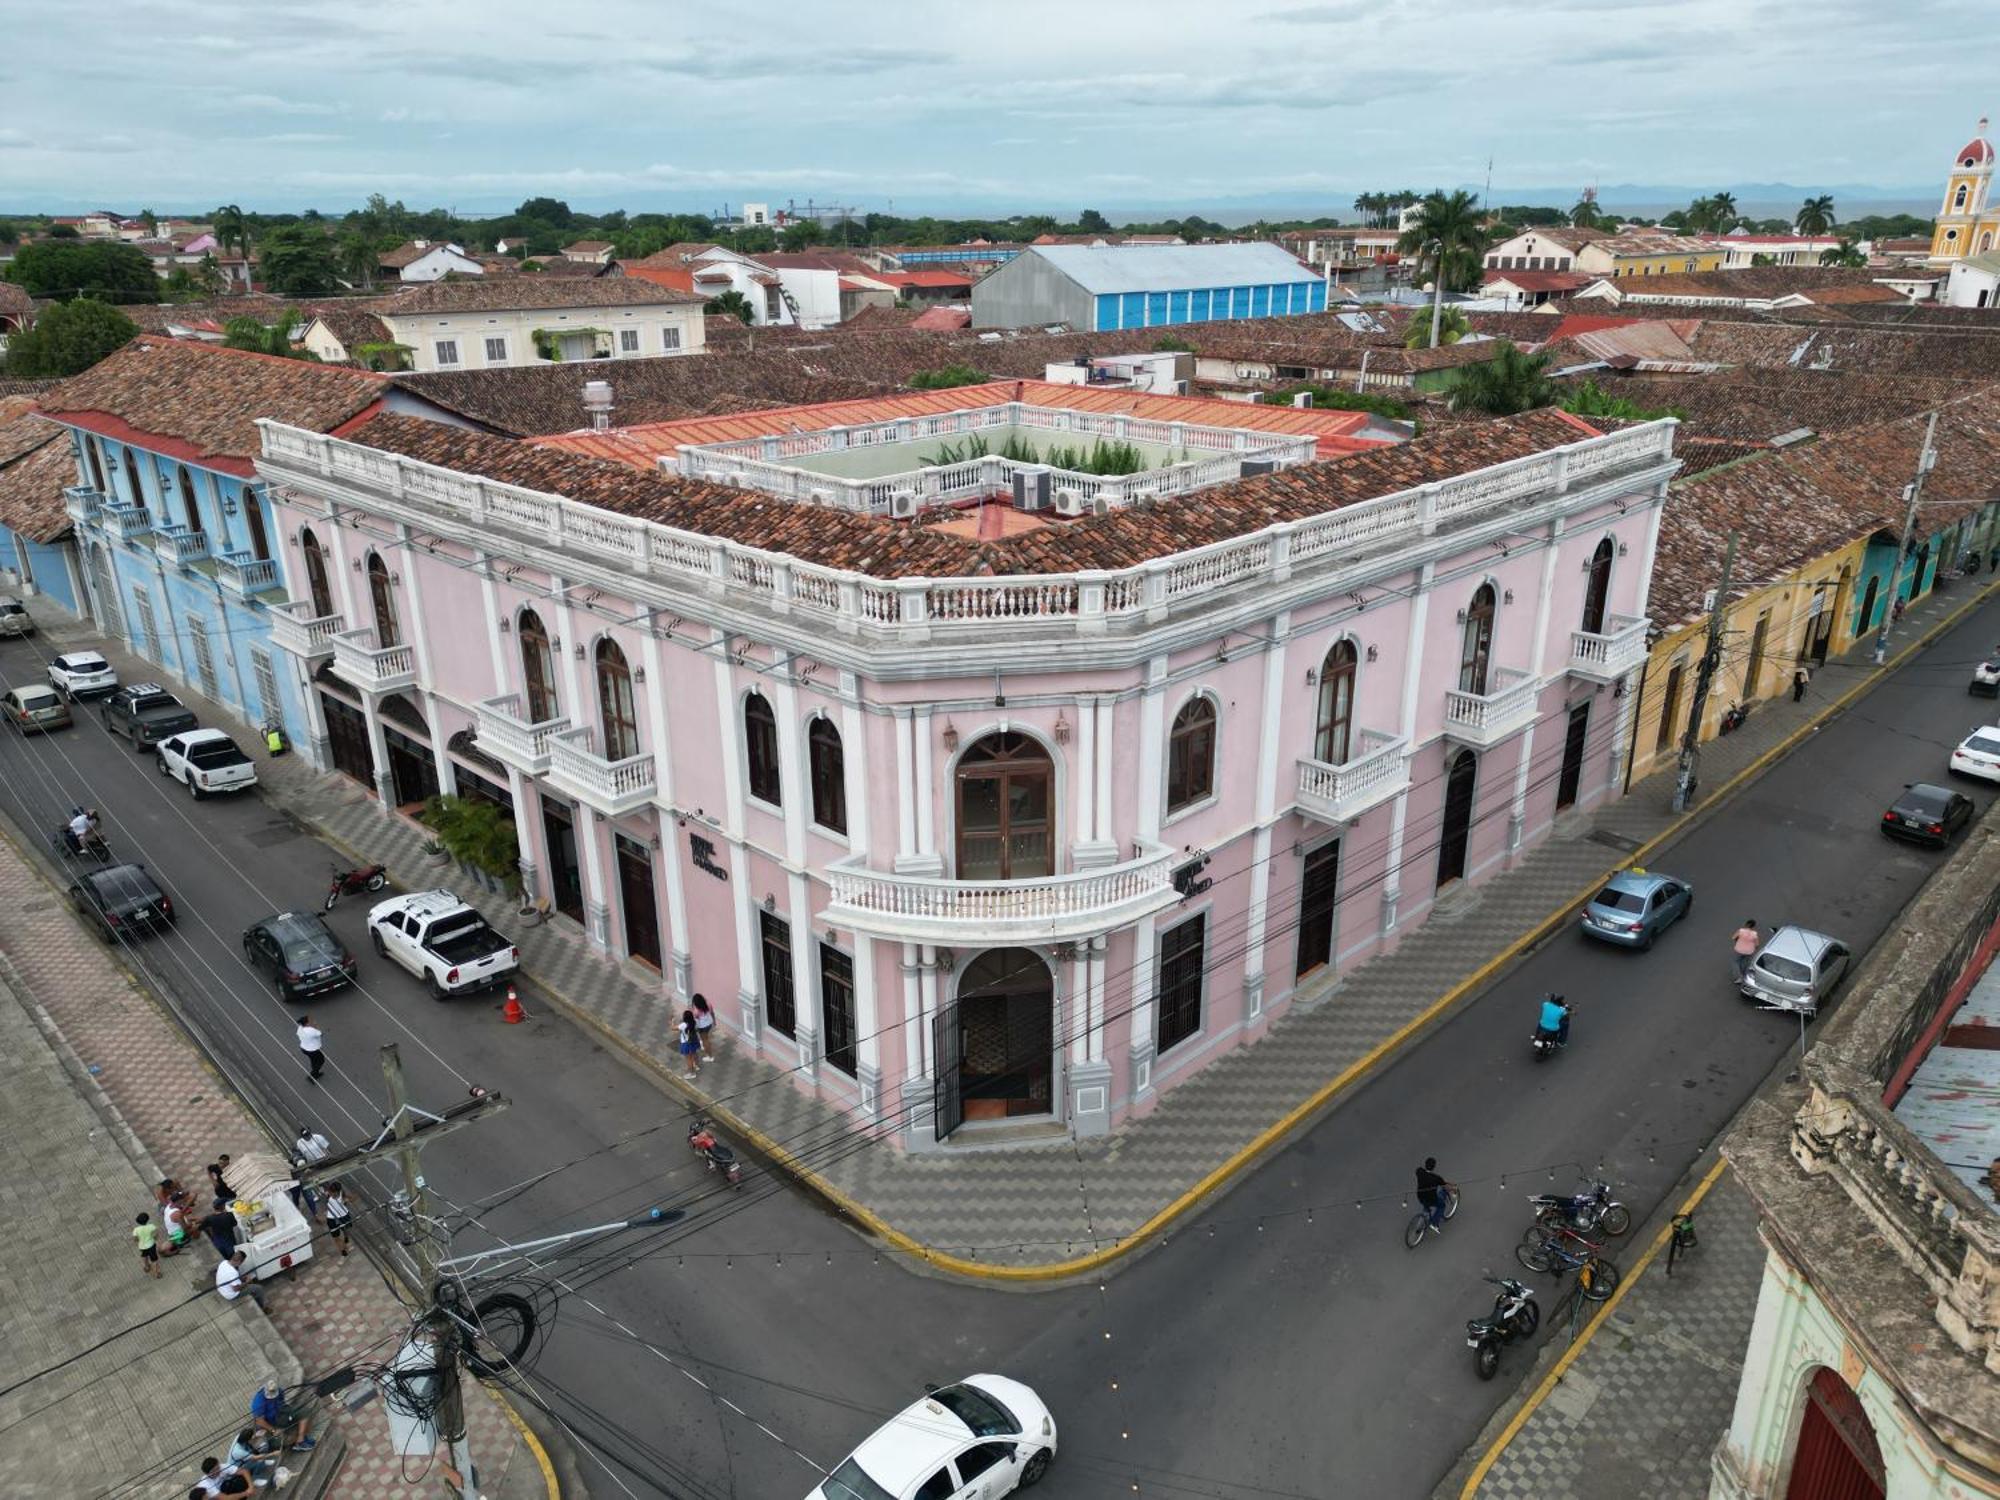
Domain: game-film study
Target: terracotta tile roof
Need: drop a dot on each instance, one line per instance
(508, 293)
(574, 270)
(588, 247)
(1846, 345)
(874, 316)
(405, 254)
(885, 548)
(1569, 238)
(945, 281)
(678, 278)
(1760, 405)
(1752, 283)
(200, 402)
(676, 254)
(15, 303)
(940, 319)
(1542, 281)
(35, 465)
(1623, 340)
(34, 388)
(353, 326)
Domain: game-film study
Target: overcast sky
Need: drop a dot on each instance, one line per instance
(1057, 104)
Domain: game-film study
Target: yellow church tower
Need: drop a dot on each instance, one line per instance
(1965, 224)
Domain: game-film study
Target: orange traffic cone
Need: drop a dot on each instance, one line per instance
(513, 1013)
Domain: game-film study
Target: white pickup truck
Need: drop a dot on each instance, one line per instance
(207, 760)
(442, 941)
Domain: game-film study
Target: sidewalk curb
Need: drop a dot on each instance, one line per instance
(1301, 1116)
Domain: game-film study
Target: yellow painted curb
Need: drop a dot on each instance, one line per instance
(1548, 1382)
(1272, 1134)
(534, 1443)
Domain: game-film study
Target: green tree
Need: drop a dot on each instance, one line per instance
(731, 304)
(1090, 221)
(1328, 398)
(1169, 344)
(548, 210)
(1452, 326)
(231, 228)
(1585, 215)
(266, 338)
(68, 338)
(358, 258)
(63, 232)
(1509, 382)
(944, 379)
(298, 260)
(193, 283)
(1592, 400)
(1816, 215)
(103, 269)
(1847, 254)
(151, 220)
(10, 232)
(1447, 240)
(801, 236)
(1761, 259)
(1724, 206)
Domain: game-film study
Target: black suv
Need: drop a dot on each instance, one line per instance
(301, 953)
(146, 713)
(122, 901)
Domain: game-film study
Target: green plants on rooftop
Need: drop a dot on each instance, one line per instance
(944, 379)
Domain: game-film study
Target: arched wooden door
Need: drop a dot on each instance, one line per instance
(1455, 832)
(1597, 593)
(1838, 1457)
(1004, 1049)
(1476, 645)
(384, 603)
(1005, 817)
(317, 584)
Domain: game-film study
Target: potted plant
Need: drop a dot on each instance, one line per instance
(478, 835)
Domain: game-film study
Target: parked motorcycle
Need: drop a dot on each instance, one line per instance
(701, 1137)
(1733, 718)
(1583, 1212)
(354, 882)
(1515, 1315)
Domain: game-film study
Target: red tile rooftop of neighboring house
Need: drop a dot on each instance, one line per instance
(939, 280)
(1338, 432)
(943, 319)
(677, 278)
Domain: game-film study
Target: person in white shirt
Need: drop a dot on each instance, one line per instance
(311, 1145)
(309, 1044)
(231, 1283)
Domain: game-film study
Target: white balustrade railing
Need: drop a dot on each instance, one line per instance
(179, 544)
(502, 732)
(83, 502)
(303, 634)
(1048, 905)
(1489, 717)
(1377, 772)
(366, 665)
(857, 600)
(1608, 654)
(126, 522)
(607, 785)
(245, 575)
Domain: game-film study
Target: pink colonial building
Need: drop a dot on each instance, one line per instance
(977, 784)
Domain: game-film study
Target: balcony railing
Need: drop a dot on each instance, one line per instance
(179, 544)
(1483, 720)
(609, 786)
(1378, 771)
(1607, 656)
(504, 734)
(127, 523)
(372, 668)
(1047, 908)
(83, 502)
(296, 630)
(244, 575)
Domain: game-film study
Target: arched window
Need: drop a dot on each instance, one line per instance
(1958, 199)
(615, 706)
(138, 490)
(826, 765)
(1598, 591)
(1476, 649)
(1191, 754)
(760, 744)
(93, 457)
(1333, 736)
(384, 602)
(189, 505)
(253, 515)
(538, 669)
(1004, 786)
(316, 579)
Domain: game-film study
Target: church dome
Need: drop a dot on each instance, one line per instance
(1977, 152)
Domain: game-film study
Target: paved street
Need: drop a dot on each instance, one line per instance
(1284, 1343)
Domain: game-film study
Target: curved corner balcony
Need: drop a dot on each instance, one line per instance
(372, 668)
(1378, 770)
(612, 787)
(981, 913)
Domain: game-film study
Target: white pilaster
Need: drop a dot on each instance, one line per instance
(679, 940)
(1269, 744)
(1517, 815)
(854, 759)
(1406, 725)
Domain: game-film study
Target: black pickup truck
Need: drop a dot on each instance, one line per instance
(146, 713)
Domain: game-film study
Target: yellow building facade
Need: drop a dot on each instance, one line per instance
(1649, 255)
(1966, 223)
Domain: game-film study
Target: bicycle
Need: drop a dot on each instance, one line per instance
(1419, 1224)
(1681, 1239)
(1566, 1250)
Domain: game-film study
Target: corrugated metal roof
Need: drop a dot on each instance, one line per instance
(1953, 1102)
(1160, 268)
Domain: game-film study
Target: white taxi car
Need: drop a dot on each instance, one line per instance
(81, 674)
(984, 1437)
(1978, 754)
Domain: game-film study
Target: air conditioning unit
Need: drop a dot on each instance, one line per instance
(1031, 489)
(1069, 501)
(1100, 506)
(821, 497)
(903, 504)
(1303, 398)
(1180, 387)
(1252, 466)
(1146, 499)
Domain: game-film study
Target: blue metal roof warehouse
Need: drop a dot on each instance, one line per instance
(1101, 287)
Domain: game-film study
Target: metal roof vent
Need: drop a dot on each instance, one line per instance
(597, 401)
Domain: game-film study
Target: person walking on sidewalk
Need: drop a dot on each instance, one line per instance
(338, 1216)
(1745, 943)
(690, 1046)
(309, 1043)
(308, 1150)
(148, 1239)
(704, 1024)
(1801, 680)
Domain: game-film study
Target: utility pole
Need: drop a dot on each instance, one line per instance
(1926, 461)
(406, 1132)
(1711, 657)
(1437, 289)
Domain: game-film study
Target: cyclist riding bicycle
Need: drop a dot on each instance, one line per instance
(1431, 1192)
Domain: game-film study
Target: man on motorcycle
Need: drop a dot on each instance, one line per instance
(1555, 1018)
(82, 829)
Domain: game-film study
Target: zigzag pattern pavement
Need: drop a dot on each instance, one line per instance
(1044, 1204)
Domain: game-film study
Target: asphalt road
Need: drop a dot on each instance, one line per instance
(1263, 1352)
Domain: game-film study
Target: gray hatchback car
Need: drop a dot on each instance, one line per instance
(1796, 970)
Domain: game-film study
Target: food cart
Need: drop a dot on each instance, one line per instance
(271, 1231)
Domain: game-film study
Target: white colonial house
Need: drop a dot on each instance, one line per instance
(525, 320)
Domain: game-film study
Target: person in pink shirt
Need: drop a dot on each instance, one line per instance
(1746, 942)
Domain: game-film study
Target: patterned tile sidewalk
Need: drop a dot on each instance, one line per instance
(1640, 1409)
(336, 1310)
(1047, 1204)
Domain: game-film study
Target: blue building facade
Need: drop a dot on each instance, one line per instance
(47, 569)
(1117, 310)
(178, 560)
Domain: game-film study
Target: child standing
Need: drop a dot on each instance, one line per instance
(704, 1024)
(690, 1046)
(148, 1239)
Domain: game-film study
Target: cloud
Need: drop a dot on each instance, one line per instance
(838, 62)
(15, 140)
(274, 104)
(299, 138)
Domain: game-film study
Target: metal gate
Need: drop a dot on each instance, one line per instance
(204, 659)
(947, 1056)
(110, 618)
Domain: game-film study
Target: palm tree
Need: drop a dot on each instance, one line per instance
(1584, 215)
(1509, 382)
(266, 338)
(1846, 254)
(1816, 215)
(230, 229)
(1447, 240)
(1723, 206)
(731, 304)
(1452, 326)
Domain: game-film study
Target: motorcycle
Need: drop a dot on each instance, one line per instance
(701, 1138)
(1547, 1039)
(1515, 1315)
(1583, 1212)
(354, 882)
(93, 846)
(1733, 718)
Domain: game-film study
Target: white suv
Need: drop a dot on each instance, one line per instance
(81, 674)
(986, 1436)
